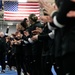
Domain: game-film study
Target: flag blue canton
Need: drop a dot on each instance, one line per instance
(10, 6)
(0, 4)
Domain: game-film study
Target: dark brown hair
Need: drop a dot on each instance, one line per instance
(24, 23)
(33, 17)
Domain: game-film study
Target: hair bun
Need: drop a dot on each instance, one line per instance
(25, 19)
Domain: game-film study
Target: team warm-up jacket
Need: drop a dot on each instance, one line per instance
(48, 41)
(36, 46)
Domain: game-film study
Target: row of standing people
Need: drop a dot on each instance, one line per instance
(42, 49)
(34, 57)
(42, 56)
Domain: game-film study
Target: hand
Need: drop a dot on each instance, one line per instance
(71, 14)
(47, 6)
(45, 19)
(26, 33)
(35, 37)
(12, 42)
(37, 31)
(7, 26)
(73, 0)
(15, 42)
(19, 42)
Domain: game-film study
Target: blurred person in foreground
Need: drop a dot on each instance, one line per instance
(36, 46)
(67, 26)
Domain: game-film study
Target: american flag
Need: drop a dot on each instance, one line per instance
(18, 11)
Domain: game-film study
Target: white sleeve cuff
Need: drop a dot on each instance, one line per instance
(51, 34)
(6, 34)
(26, 42)
(56, 23)
(50, 27)
(30, 41)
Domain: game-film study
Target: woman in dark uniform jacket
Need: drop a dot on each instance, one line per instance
(8, 52)
(47, 51)
(36, 46)
(20, 49)
(27, 48)
(20, 61)
(47, 47)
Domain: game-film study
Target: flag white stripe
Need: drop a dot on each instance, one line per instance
(15, 15)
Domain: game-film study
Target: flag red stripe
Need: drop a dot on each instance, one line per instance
(28, 4)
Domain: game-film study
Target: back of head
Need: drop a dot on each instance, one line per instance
(1, 34)
(33, 17)
(24, 23)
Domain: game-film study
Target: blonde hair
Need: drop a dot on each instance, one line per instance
(19, 27)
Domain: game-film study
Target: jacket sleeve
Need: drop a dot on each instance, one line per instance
(60, 19)
(46, 36)
(43, 37)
